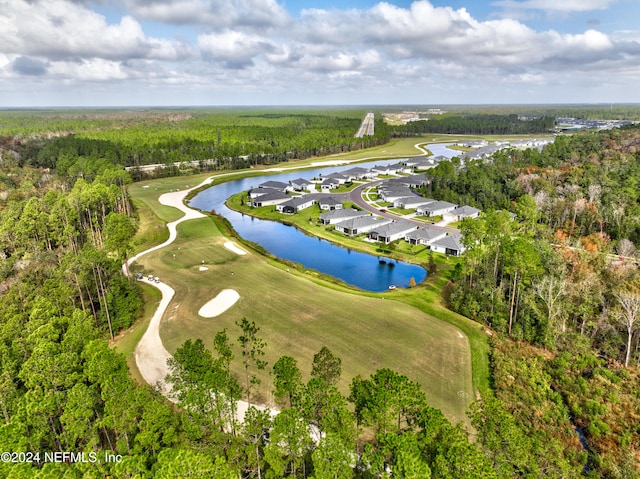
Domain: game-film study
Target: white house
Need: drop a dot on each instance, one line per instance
(462, 212)
(392, 231)
(361, 225)
(337, 216)
(271, 198)
(294, 205)
(412, 202)
(450, 245)
(300, 184)
(329, 184)
(329, 203)
(425, 235)
(436, 208)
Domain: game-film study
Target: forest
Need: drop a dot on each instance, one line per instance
(211, 141)
(476, 124)
(557, 288)
(559, 285)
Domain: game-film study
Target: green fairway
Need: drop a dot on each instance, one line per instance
(298, 312)
(297, 317)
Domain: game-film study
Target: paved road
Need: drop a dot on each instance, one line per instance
(366, 127)
(355, 196)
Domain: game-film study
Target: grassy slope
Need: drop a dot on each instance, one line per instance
(366, 331)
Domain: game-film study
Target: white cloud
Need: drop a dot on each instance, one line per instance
(258, 14)
(254, 47)
(236, 49)
(556, 5)
(58, 29)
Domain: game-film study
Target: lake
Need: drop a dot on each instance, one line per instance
(361, 270)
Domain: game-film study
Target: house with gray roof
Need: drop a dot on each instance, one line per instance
(397, 192)
(414, 160)
(341, 177)
(274, 185)
(300, 184)
(329, 184)
(462, 212)
(295, 205)
(255, 192)
(423, 164)
(336, 216)
(272, 198)
(411, 181)
(450, 245)
(436, 208)
(392, 231)
(425, 235)
(359, 173)
(361, 225)
(412, 202)
(329, 203)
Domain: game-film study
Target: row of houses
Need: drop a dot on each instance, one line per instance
(353, 222)
(399, 191)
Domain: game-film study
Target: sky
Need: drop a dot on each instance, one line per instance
(85, 53)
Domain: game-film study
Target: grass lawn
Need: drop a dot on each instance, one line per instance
(300, 315)
(126, 341)
(298, 312)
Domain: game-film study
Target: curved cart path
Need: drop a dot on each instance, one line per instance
(150, 354)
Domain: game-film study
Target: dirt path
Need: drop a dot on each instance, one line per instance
(150, 354)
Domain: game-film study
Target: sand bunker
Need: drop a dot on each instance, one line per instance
(232, 247)
(218, 305)
(203, 268)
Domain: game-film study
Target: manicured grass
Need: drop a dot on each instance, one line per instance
(297, 316)
(298, 312)
(126, 341)
(307, 220)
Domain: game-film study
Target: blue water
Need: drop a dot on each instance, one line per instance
(361, 270)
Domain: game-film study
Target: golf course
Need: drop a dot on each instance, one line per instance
(298, 312)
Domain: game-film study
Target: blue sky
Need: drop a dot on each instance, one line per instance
(304, 52)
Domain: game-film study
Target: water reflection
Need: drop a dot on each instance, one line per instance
(362, 270)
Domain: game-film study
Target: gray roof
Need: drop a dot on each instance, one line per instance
(299, 182)
(395, 227)
(411, 180)
(465, 211)
(329, 200)
(437, 205)
(346, 214)
(271, 196)
(330, 181)
(416, 200)
(453, 241)
(362, 221)
(276, 185)
(357, 170)
(299, 200)
(426, 234)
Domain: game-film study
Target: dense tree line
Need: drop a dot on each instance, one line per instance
(207, 142)
(476, 124)
(551, 277)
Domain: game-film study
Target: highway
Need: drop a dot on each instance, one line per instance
(366, 128)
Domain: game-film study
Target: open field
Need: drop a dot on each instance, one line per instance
(367, 332)
(398, 329)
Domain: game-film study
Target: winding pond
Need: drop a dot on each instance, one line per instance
(358, 269)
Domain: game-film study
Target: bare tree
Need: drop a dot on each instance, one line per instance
(627, 315)
(550, 289)
(626, 248)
